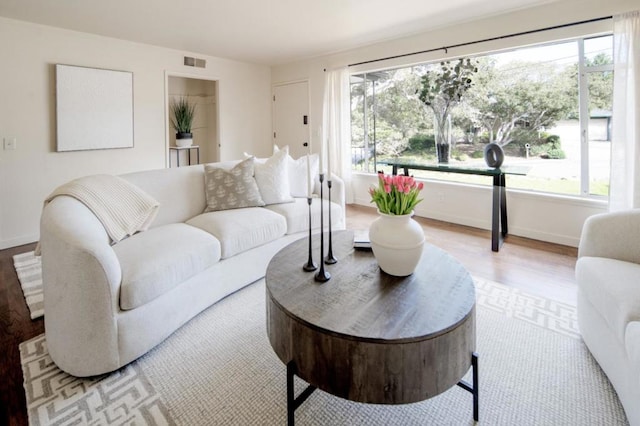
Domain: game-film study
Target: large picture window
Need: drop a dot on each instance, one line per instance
(548, 107)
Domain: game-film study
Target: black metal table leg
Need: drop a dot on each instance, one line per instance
(290, 398)
(495, 214)
(499, 224)
(475, 388)
(503, 205)
(294, 402)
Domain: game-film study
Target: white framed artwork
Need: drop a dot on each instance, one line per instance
(94, 108)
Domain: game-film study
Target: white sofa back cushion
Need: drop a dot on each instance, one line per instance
(180, 192)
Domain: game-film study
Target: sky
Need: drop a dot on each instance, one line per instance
(565, 53)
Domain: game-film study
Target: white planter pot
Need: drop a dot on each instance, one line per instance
(184, 142)
(397, 243)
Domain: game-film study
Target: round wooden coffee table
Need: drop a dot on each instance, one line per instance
(367, 336)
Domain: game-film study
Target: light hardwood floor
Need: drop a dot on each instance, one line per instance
(533, 266)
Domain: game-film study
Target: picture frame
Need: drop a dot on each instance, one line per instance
(94, 108)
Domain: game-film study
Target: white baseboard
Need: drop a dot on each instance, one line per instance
(18, 241)
(534, 234)
(474, 222)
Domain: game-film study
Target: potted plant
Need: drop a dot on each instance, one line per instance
(182, 119)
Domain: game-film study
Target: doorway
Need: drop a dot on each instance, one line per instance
(291, 117)
(203, 94)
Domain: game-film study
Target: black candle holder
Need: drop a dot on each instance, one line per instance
(310, 265)
(330, 259)
(322, 275)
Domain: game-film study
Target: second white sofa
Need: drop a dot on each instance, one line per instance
(608, 276)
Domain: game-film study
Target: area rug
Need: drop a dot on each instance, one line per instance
(220, 369)
(29, 269)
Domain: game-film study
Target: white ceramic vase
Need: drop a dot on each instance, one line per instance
(397, 243)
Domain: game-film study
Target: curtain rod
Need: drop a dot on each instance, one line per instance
(446, 48)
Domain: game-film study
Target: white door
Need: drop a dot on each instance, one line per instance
(291, 117)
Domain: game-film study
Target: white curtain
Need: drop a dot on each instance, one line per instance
(624, 190)
(336, 126)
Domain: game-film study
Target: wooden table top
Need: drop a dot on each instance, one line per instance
(361, 302)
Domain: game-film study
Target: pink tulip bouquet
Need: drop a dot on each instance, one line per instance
(396, 195)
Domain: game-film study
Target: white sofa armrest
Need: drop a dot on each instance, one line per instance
(612, 235)
(81, 279)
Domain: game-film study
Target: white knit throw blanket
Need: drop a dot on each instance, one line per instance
(122, 207)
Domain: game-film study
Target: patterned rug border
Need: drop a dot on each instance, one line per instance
(28, 267)
(557, 316)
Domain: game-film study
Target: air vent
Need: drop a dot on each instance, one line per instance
(195, 62)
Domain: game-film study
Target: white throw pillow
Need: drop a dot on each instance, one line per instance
(272, 176)
(298, 174)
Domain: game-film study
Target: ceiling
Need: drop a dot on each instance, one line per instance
(260, 31)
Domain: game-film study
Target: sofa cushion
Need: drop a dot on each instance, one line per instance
(297, 214)
(239, 230)
(231, 189)
(612, 286)
(155, 261)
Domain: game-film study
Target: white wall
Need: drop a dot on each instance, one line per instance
(543, 217)
(28, 54)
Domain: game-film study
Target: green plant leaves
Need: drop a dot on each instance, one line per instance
(182, 115)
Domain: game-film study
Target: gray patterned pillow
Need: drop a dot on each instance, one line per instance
(231, 189)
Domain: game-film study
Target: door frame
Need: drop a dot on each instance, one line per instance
(167, 129)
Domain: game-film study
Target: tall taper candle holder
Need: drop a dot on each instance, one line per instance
(330, 259)
(322, 275)
(310, 265)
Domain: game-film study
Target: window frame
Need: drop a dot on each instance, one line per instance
(583, 102)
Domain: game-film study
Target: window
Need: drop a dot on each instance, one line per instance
(548, 106)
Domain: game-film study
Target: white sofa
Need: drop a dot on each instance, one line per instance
(608, 276)
(106, 305)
